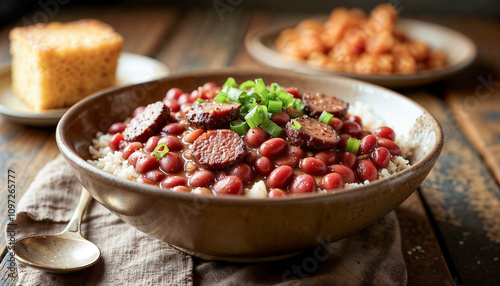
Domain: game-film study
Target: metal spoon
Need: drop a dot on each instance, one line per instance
(65, 252)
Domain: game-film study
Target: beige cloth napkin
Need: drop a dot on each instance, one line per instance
(130, 257)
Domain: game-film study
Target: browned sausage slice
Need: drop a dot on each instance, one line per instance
(146, 123)
(312, 135)
(213, 115)
(315, 103)
(219, 149)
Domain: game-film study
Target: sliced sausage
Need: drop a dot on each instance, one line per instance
(213, 115)
(312, 135)
(315, 103)
(146, 123)
(219, 149)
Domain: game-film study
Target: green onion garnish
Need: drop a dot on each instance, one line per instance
(352, 146)
(284, 96)
(199, 100)
(260, 87)
(275, 86)
(159, 154)
(274, 106)
(239, 126)
(271, 128)
(222, 97)
(247, 84)
(230, 82)
(296, 115)
(253, 117)
(325, 117)
(234, 94)
(295, 124)
(297, 104)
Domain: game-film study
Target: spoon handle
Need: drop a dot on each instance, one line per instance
(76, 220)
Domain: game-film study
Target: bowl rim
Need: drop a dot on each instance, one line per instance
(142, 189)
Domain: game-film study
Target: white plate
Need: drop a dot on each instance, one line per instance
(131, 69)
(460, 50)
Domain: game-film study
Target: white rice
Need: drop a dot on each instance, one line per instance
(112, 161)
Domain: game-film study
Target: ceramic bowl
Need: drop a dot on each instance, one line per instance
(230, 228)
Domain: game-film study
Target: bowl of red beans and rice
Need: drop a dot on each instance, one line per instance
(207, 195)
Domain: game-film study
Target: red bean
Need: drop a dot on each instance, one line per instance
(276, 193)
(332, 181)
(156, 175)
(356, 119)
(347, 174)
(280, 118)
(114, 144)
(184, 98)
(280, 177)
(210, 86)
(202, 178)
(117, 127)
(132, 159)
(196, 94)
(348, 159)
(293, 90)
(364, 133)
(230, 185)
(296, 152)
(138, 110)
(303, 184)
(144, 180)
(391, 146)
(385, 132)
(352, 128)
(337, 124)
(251, 157)
(343, 141)
(151, 143)
(170, 163)
(256, 136)
(174, 93)
(173, 181)
(189, 138)
(221, 175)
(131, 148)
(146, 163)
(285, 160)
(328, 157)
(313, 166)
(182, 189)
(173, 105)
(381, 157)
(294, 113)
(173, 128)
(242, 171)
(366, 170)
(263, 166)
(367, 144)
(273, 148)
(173, 143)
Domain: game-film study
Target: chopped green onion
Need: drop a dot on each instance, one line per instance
(297, 104)
(274, 106)
(199, 100)
(271, 128)
(352, 146)
(230, 82)
(275, 86)
(253, 117)
(296, 115)
(159, 154)
(239, 126)
(295, 124)
(247, 84)
(234, 94)
(325, 117)
(222, 97)
(260, 86)
(284, 96)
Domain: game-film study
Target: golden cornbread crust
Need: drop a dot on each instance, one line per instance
(55, 65)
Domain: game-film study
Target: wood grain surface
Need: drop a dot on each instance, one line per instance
(451, 223)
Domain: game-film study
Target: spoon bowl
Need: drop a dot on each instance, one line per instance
(65, 252)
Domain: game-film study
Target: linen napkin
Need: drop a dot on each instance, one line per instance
(373, 256)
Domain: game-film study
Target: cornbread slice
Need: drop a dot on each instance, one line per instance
(55, 65)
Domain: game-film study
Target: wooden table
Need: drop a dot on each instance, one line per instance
(450, 226)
